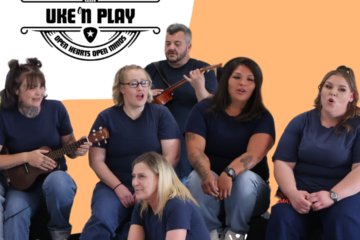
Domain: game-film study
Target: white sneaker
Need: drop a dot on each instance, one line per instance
(214, 235)
(230, 235)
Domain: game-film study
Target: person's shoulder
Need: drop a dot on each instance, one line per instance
(178, 204)
(158, 112)
(266, 115)
(6, 111)
(311, 114)
(110, 111)
(198, 63)
(157, 107)
(151, 66)
(355, 123)
(304, 118)
(53, 105)
(137, 208)
(203, 105)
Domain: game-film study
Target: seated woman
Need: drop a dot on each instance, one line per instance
(27, 122)
(226, 136)
(173, 212)
(135, 126)
(317, 165)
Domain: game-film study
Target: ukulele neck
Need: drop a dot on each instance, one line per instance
(171, 88)
(65, 150)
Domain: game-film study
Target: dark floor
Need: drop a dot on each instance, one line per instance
(38, 228)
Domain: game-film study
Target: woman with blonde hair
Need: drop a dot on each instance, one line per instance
(135, 126)
(316, 165)
(167, 209)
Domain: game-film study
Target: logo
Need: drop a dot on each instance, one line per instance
(90, 34)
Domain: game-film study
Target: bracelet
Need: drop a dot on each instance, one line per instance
(116, 186)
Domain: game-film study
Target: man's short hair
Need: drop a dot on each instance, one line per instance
(177, 27)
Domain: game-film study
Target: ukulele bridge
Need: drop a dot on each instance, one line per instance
(27, 170)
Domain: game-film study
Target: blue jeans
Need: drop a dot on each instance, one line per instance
(250, 196)
(340, 221)
(57, 191)
(3, 188)
(107, 214)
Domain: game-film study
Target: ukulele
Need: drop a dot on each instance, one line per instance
(166, 95)
(23, 176)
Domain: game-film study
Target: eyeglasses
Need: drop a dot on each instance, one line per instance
(135, 84)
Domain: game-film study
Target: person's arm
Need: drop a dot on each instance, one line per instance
(347, 187)
(177, 234)
(169, 134)
(35, 158)
(197, 81)
(171, 150)
(136, 232)
(258, 146)
(350, 185)
(196, 146)
(97, 163)
(285, 178)
(70, 139)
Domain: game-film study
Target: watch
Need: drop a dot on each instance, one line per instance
(333, 196)
(230, 172)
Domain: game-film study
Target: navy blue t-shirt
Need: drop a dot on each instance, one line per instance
(323, 158)
(130, 138)
(184, 98)
(177, 214)
(22, 134)
(226, 138)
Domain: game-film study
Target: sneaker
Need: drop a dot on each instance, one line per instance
(214, 235)
(230, 235)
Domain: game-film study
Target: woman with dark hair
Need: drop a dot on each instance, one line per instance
(228, 137)
(136, 126)
(27, 122)
(316, 165)
(167, 210)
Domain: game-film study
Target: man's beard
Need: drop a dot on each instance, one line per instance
(178, 59)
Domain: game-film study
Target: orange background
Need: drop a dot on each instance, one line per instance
(294, 43)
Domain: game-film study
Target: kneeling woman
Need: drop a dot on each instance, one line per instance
(317, 165)
(135, 127)
(228, 137)
(27, 122)
(167, 211)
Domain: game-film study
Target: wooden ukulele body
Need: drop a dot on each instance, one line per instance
(24, 175)
(163, 98)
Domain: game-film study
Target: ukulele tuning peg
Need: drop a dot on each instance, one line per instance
(94, 130)
(100, 128)
(99, 144)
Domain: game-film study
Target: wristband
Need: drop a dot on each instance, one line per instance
(116, 186)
